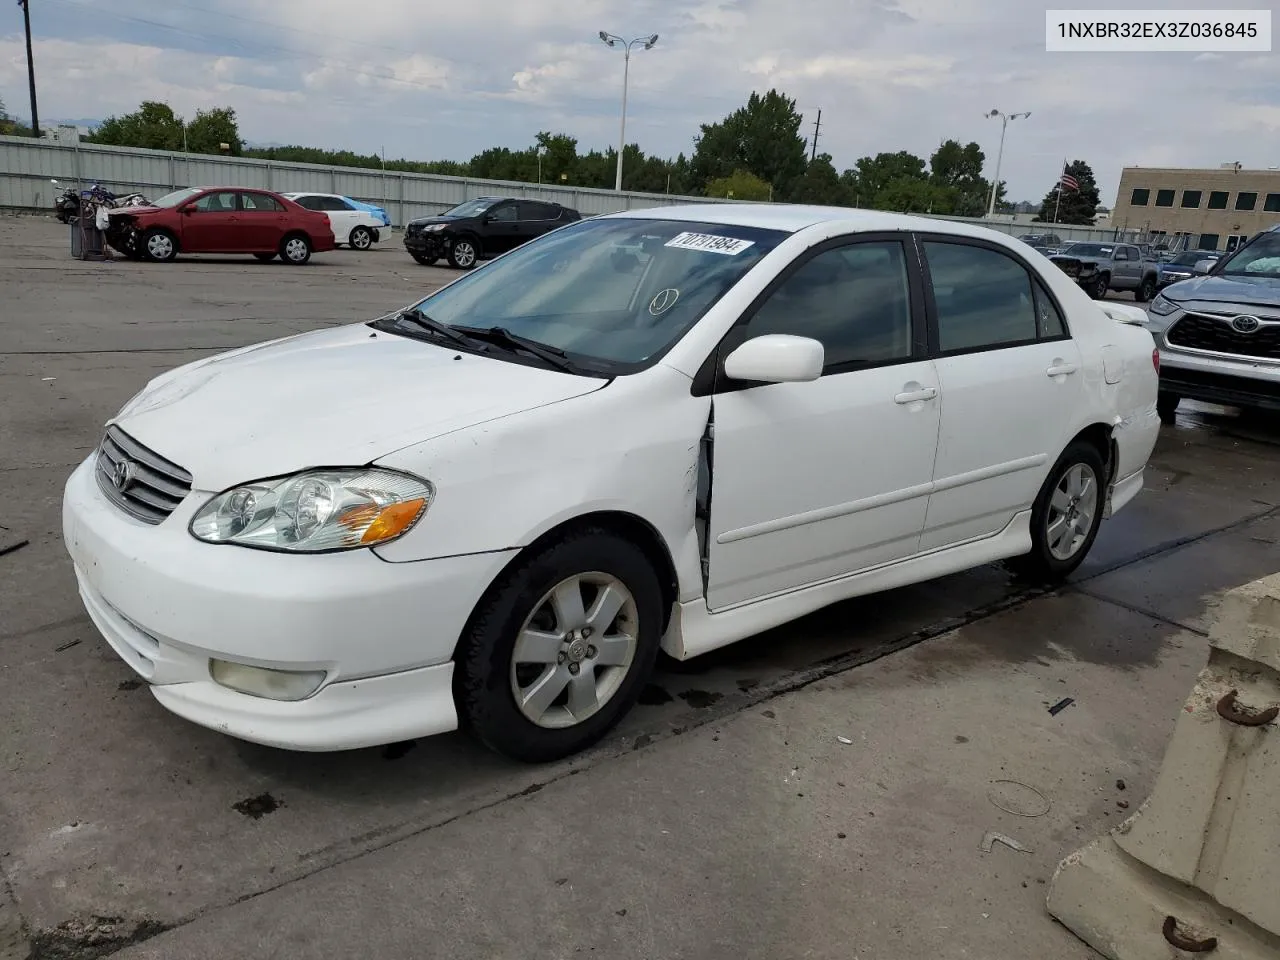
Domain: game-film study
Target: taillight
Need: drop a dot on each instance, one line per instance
(1155, 359)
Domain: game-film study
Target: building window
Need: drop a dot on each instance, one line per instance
(1234, 241)
(1272, 204)
(1208, 241)
(1164, 198)
(1191, 198)
(1246, 201)
(1218, 200)
(1141, 197)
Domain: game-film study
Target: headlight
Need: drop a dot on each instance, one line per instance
(436, 227)
(1162, 306)
(316, 512)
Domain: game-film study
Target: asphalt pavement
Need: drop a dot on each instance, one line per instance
(726, 817)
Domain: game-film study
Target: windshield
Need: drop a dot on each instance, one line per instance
(175, 198)
(611, 292)
(1192, 257)
(1261, 258)
(1090, 250)
(472, 208)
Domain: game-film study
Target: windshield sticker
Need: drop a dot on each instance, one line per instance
(729, 246)
(663, 301)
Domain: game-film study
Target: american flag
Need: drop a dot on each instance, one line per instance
(1069, 182)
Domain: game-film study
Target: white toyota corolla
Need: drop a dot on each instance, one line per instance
(663, 429)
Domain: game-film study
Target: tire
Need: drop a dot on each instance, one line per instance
(265, 257)
(1050, 560)
(424, 260)
(1167, 406)
(360, 238)
(295, 249)
(488, 679)
(1097, 289)
(159, 245)
(464, 253)
(1146, 291)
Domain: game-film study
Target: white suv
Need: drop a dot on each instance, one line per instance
(1219, 333)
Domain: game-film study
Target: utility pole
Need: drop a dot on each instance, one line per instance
(31, 68)
(817, 127)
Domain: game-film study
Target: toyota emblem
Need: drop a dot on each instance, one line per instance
(1245, 324)
(124, 475)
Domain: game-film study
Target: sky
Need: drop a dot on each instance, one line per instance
(441, 80)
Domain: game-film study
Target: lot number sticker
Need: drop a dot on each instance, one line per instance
(729, 246)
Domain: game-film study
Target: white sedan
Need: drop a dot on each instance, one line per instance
(661, 429)
(357, 225)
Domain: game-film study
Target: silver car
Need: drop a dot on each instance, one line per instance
(1219, 332)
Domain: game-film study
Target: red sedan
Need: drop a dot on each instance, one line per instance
(220, 220)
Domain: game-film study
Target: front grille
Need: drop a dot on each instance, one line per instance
(1198, 331)
(139, 481)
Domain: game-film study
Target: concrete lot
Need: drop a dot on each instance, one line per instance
(724, 819)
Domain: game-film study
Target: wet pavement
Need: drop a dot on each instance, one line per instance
(112, 808)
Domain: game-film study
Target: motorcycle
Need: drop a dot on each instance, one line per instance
(67, 206)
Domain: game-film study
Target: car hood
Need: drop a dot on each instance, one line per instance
(425, 221)
(343, 396)
(134, 211)
(1254, 291)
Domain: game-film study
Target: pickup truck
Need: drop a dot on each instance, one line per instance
(1099, 267)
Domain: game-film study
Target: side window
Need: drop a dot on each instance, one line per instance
(260, 203)
(1122, 253)
(503, 212)
(983, 297)
(335, 204)
(217, 203)
(1049, 322)
(529, 210)
(855, 299)
(311, 203)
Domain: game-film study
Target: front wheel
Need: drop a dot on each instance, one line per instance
(557, 651)
(360, 239)
(159, 245)
(1167, 406)
(423, 258)
(1097, 288)
(1146, 291)
(463, 254)
(295, 249)
(1066, 515)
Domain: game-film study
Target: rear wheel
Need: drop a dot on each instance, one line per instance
(159, 245)
(558, 650)
(360, 238)
(295, 249)
(1146, 291)
(463, 253)
(1066, 515)
(1167, 406)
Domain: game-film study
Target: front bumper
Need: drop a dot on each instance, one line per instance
(1234, 383)
(426, 244)
(384, 633)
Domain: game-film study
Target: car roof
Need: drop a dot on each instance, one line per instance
(792, 218)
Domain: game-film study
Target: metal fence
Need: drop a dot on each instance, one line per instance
(27, 165)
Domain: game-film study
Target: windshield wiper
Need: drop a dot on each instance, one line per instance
(501, 336)
(417, 318)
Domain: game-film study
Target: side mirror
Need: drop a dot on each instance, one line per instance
(189, 209)
(1202, 267)
(777, 358)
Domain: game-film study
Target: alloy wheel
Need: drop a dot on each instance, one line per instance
(1071, 511)
(464, 253)
(574, 650)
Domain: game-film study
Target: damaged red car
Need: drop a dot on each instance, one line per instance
(220, 220)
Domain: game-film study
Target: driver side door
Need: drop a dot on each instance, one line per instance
(501, 228)
(817, 480)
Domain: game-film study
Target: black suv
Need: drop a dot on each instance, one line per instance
(480, 228)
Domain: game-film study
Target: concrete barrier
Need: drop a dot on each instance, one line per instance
(1197, 868)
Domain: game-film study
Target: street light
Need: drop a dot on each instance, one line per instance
(1004, 124)
(612, 41)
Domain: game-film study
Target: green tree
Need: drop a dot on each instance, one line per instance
(871, 177)
(958, 169)
(1077, 206)
(212, 128)
(9, 127)
(762, 138)
(740, 185)
(820, 184)
(153, 126)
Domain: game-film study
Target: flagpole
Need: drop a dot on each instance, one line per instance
(31, 68)
(1058, 202)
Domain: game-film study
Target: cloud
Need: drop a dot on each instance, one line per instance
(453, 80)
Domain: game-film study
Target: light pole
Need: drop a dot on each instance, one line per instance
(1004, 124)
(612, 41)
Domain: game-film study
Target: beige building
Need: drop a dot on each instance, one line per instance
(1212, 209)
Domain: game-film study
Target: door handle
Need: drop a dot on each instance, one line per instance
(915, 396)
(1061, 369)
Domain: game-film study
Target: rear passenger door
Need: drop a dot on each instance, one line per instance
(263, 220)
(535, 219)
(1009, 379)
